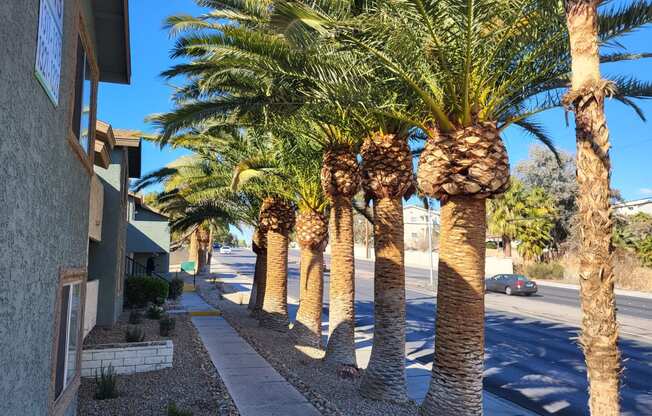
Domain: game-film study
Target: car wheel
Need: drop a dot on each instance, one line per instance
(508, 291)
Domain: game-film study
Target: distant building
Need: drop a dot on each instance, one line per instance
(643, 205)
(415, 219)
(148, 236)
(54, 54)
(117, 159)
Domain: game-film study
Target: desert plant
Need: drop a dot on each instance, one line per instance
(173, 410)
(176, 288)
(141, 290)
(155, 312)
(553, 271)
(134, 334)
(135, 317)
(106, 384)
(166, 326)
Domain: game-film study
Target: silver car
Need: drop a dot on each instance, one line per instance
(511, 284)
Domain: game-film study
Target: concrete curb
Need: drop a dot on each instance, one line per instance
(621, 292)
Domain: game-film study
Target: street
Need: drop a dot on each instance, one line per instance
(531, 354)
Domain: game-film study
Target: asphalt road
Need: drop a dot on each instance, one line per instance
(535, 363)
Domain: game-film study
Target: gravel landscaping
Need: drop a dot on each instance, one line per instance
(301, 366)
(192, 383)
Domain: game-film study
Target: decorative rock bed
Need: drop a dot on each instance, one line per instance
(128, 358)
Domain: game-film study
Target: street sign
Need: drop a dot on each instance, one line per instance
(49, 47)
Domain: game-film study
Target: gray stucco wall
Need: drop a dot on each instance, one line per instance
(43, 207)
(106, 257)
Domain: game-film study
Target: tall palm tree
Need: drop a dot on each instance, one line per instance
(277, 216)
(468, 71)
(586, 97)
(387, 178)
(259, 247)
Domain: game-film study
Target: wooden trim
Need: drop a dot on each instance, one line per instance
(87, 159)
(58, 405)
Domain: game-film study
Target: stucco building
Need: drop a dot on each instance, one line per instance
(148, 236)
(117, 159)
(54, 53)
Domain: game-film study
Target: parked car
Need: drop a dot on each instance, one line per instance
(225, 250)
(217, 246)
(511, 284)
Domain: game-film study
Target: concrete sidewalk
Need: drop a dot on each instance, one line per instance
(255, 386)
(418, 375)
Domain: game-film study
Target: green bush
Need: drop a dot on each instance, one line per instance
(135, 317)
(134, 334)
(176, 288)
(141, 290)
(166, 326)
(554, 271)
(173, 410)
(106, 384)
(491, 245)
(155, 312)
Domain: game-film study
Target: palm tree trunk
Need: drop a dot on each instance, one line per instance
(507, 246)
(274, 314)
(193, 249)
(456, 384)
(255, 247)
(384, 378)
(599, 334)
(307, 327)
(341, 316)
(261, 270)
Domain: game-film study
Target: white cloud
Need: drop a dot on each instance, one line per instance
(645, 191)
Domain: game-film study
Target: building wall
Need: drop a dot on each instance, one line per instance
(44, 197)
(149, 233)
(106, 257)
(634, 207)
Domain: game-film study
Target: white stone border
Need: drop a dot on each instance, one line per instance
(128, 358)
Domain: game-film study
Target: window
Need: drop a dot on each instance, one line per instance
(69, 329)
(81, 123)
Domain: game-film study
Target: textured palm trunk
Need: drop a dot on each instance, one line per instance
(341, 316)
(456, 384)
(193, 249)
(384, 378)
(507, 246)
(599, 333)
(261, 269)
(274, 314)
(256, 247)
(307, 327)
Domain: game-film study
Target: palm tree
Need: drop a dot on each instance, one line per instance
(387, 178)
(277, 216)
(586, 97)
(505, 214)
(259, 247)
(469, 70)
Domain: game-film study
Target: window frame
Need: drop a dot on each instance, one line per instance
(67, 277)
(87, 159)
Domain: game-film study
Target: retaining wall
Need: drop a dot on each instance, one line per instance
(127, 358)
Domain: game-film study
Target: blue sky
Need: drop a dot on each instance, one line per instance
(126, 106)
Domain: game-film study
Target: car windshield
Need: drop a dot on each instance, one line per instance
(226, 247)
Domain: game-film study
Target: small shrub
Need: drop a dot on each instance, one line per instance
(135, 317)
(554, 271)
(155, 312)
(176, 288)
(141, 290)
(173, 410)
(166, 326)
(134, 334)
(106, 384)
(491, 245)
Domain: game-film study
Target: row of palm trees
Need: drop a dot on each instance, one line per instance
(299, 105)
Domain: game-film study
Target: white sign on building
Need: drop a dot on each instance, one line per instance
(49, 47)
